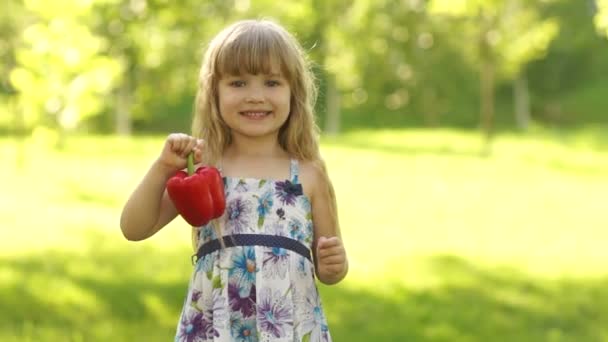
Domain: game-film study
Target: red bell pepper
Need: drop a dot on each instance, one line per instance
(197, 195)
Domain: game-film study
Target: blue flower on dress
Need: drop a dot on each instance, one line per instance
(273, 315)
(206, 264)
(244, 268)
(313, 322)
(296, 230)
(206, 233)
(243, 330)
(238, 211)
(264, 205)
(275, 262)
(288, 191)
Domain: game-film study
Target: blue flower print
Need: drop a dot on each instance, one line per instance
(275, 262)
(308, 233)
(313, 320)
(302, 266)
(244, 269)
(288, 191)
(205, 265)
(296, 230)
(264, 205)
(206, 233)
(243, 330)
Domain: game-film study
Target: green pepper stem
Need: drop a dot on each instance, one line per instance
(190, 164)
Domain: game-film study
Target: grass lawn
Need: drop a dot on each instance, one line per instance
(444, 245)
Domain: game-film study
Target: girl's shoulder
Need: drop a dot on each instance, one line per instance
(312, 176)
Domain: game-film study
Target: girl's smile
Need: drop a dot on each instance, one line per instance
(255, 115)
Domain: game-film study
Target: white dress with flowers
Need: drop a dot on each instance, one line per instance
(261, 286)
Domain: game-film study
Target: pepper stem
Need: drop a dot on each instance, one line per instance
(190, 164)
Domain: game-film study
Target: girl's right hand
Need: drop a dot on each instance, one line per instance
(174, 155)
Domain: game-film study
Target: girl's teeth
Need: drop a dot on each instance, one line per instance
(255, 114)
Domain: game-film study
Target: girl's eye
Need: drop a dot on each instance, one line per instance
(237, 84)
(272, 83)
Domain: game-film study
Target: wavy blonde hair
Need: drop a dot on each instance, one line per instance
(254, 46)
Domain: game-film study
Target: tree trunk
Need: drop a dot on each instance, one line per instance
(430, 107)
(123, 111)
(332, 115)
(487, 103)
(20, 134)
(521, 96)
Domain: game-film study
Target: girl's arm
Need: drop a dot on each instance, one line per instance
(149, 208)
(331, 264)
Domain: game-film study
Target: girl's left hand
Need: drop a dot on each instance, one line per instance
(331, 259)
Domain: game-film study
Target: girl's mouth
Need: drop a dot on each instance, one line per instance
(256, 114)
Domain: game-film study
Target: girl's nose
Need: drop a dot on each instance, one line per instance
(256, 95)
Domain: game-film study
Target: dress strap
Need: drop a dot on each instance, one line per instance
(294, 171)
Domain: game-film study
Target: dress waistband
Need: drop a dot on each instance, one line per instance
(253, 240)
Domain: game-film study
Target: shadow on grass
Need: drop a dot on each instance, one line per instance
(472, 304)
(124, 294)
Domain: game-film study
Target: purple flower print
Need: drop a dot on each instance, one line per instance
(246, 305)
(273, 315)
(196, 295)
(288, 191)
(238, 210)
(191, 327)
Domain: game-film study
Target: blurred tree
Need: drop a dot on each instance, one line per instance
(160, 44)
(509, 34)
(13, 19)
(567, 85)
(601, 16)
(60, 75)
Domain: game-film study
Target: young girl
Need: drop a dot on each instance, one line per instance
(255, 265)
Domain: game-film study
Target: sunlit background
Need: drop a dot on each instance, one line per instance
(467, 140)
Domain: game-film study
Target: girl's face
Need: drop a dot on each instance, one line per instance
(254, 105)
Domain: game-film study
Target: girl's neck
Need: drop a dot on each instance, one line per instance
(256, 148)
(255, 158)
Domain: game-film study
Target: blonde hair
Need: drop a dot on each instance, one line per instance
(254, 46)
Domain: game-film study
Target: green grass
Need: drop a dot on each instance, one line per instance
(444, 245)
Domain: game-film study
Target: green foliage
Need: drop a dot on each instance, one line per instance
(443, 245)
(61, 77)
(87, 64)
(601, 17)
(513, 29)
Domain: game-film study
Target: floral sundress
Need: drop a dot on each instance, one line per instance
(260, 286)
